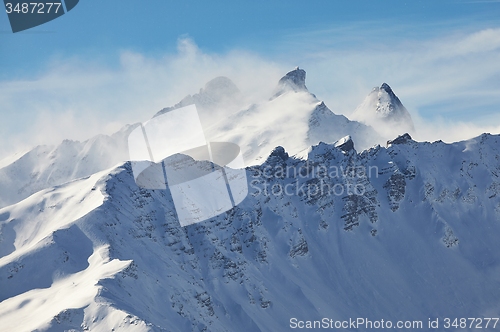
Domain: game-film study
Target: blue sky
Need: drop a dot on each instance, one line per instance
(110, 62)
(101, 28)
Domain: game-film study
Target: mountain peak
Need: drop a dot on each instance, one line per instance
(388, 104)
(345, 144)
(386, 88)
(401, 139)
(294, 80)
(278, 155)
(383, 110)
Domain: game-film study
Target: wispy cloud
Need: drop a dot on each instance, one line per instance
(76, 98)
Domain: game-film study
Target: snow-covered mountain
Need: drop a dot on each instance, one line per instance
(333, 226)
(383, 110)
(407, 232)
(294, 119)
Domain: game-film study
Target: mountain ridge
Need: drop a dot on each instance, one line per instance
(257, 129)
(327, 253)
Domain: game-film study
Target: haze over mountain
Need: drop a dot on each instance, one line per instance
(47, 166)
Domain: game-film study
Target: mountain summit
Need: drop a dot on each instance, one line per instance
(383, 110)
(294, 80)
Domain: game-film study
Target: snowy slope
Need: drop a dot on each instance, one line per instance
(383, 110)
(418, 240)
(47, 166)
(48, 265)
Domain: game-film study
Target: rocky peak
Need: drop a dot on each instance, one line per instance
(294, 80)
(386, 88)
(345, 144)
(388, 104)
(402, 139)
(277, 156)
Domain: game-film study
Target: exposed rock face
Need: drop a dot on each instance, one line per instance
(402, 139)
(294, 80)
(345, 144)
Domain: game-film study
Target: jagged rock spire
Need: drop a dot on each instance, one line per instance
(294, 80)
